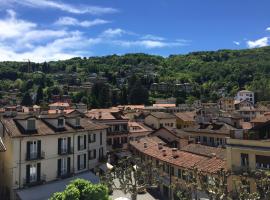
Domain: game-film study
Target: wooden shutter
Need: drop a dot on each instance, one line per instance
(59, 145)
(27, 173)
(84, 162)
(78, 162)
(69, 144)
(59, 168)
(84, 141)
(100, 138)
(28, 150)
(68, 165)
(79, 138)
(38, 172)
(39, 148)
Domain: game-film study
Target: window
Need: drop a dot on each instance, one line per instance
(179, 174)
(81, 142)
(31, 124)
(33, 149)
(60, 122)
(100, 138)
(81, 161)
(244, 160)
(92, 154)
(64, 145)
(63, 166)
(263, 162)
(109, 141)
(92, 138)
(33, 173)
(77, 122)
(101, 153)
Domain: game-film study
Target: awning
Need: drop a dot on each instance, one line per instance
(123, 154)
(106, 166)
(44, 192)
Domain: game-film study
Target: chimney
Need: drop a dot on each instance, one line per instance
(164, 152)
(160, 145)
(145, 145)
(174, 153)
(213, 155)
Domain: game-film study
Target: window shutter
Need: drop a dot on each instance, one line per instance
(39, 148)
(84, 141)
(89, 138)
(79, 138)
(95, 156)
(69, 144)
(59, 168)
(100, 138)
(28, 151)
(94, 137)
(68, 165)
(27, 173)
(84, 162)
(78, 162)
(89, 155)
(38, 172)
(59, 145)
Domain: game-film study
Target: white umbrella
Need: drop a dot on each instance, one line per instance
(122, 198)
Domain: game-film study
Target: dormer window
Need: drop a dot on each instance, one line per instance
(60, 122)
(77, 122)
(31, 124)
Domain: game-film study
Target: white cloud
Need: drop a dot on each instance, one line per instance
(152, 37)
(110, 33)
(148, 44)
(236, 43)
(82, 9)
(262, 42)
(12, 27)
(20, 39)
(267, 29)
(70, 21)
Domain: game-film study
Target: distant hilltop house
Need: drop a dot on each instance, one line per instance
(245, 95)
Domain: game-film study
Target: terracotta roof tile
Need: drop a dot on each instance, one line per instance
(183, 160)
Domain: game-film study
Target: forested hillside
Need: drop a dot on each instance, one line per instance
(208, 72)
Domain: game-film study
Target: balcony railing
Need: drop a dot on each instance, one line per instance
(35, 156)
(240, 169)
(66, 151)
(117, 146)
(82, 147)
(34, 183)
(65, 173)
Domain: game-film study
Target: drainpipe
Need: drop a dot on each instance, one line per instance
(20, 163)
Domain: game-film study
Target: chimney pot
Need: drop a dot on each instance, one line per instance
(160, 145)
(164, 152)
(174, 152)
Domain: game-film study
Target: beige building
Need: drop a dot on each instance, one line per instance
(118, 130)
(251, 152)
(175, 164)
(46, 148)
(157, 120)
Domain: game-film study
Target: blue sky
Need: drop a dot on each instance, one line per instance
(42, 30)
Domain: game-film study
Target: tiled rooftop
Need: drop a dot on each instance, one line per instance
(208, 164)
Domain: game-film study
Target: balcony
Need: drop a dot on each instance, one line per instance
(34, 183)
(81, 147)
(240, 169)
(66, 151)
(117, 146)
(65, 174)
(35, 156)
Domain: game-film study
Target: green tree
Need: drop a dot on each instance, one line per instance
(27, 100)
(81, 189)
(138, 94)
(39, 97)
